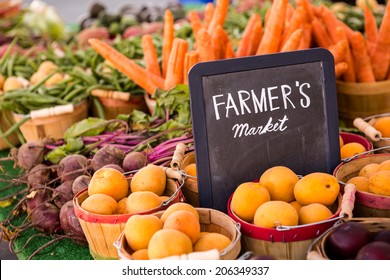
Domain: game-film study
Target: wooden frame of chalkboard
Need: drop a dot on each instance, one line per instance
(252, 113)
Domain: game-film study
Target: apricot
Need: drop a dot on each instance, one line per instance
(185, 222)
(169, 242)
(383, 125)
(369, 169)
(212, 240)
(138, 202)
(246, 198)
(384, 165)
(379, 183)
(149, 178)
(179, 206)
(122, 206)
(109, 181)
(139, 229)
(351, 149)
(360, 182)
(296, 205)
(100, 204)
(313, 213)
(275, 213)
(279, 181)
(141, 254)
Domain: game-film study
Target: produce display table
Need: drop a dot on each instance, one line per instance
(64, 249)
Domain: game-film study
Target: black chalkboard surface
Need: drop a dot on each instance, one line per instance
(252, 113)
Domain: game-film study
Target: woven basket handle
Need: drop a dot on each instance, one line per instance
(52, 111)
(367, 129)
(178, 156)
(112, 94)
(348, 200)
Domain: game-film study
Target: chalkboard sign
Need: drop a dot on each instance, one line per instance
(252, 113)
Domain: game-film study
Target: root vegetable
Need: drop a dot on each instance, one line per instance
(46, 218)
(80, 183)
(63, 193)
(72, 166)
(107, 155)
(114, 166)
(134, 161)
(36, 198)
(38, 175)
(29, 155)
(70, 223)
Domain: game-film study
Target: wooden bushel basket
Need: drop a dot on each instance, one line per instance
(362, 99)
(190, 187)
(102, 231)
(290, 243)
(13, 139)
(52, 126)
(366, 204)
(211, 221)
(317, 250)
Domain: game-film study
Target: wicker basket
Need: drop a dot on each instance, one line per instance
(102, 231)
(362, 99)
(287, 243)
(366, 204)
(211, 221)
(6, 116)
(317, 251)
(52, 126)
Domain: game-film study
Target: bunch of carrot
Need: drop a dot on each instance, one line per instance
(358, 57)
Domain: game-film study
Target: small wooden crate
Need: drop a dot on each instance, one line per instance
(113, 107)
(13, 139)
(210, 221)
(53, 126)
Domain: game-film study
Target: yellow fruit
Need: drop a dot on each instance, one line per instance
(384, 165)
(296, 205)
(279, 181)
(247, 198)
(383, 125)
(313, 213)
(212, 240)
(164, 198)
(317, 187)
(341, 141)
(191, 170)
(184, 221)
(122, 206)
(141, 254)
(99, 204)
(138, 202)
(379, 183)
(168, 242)
(178, 206)
(351, 149)
(275, 213)
(109, 181)
(149, 178)
(139, 229)
(369, 169)
(360, 182)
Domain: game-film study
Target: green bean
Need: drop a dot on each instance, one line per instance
(7, 54)
(15, 127)
(34, 88)
(17, 132)
(73, 93)
(99, 107)
(84, 77)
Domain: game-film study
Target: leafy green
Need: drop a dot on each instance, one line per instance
(87, 127)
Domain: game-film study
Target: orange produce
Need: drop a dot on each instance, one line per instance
(275, 213)
(141, 254)
(313, 213)
(383, 126)
(122, 206)
(247, 198)
(142, 201)
(169, 242)
(191, 170)
(149, 178)
(351, 149)
(361, 183)
(296, 205)
(109, 181)
(341, 141)
(369, 169)
(178, 206)
(379, 183)
(317, 187)
(212, 240)
(184, 221)
(384, 165)
(100, 204)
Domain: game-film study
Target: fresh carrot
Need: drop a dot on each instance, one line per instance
(229, 53)
(370, 26)
(218, 43)
(331, 22)
(293, 41)
(146, 80)
(175, 70)
(363, 66)
(320, 34)
(306, 38)
(339, 51)
(219, 16)
(306, 5)
(340, 69)
(208, 13)
(195, 21)
(168, 36)
(348, 30)
(274, 28)
(317, 11)
(191, 58)
(244, 47)
(203, 45)
(295, 23)
(381, 54)
(150, 55)
(349, 76)
(256, 37)
(289, 12)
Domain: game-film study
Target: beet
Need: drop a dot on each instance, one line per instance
(107, 155)
(38, 175)
(134, 161)
(71, 167)
(37, 197)
(80, 183)
(70, 223)
(63, 193)
(30, 154)
(377, 250)
(346, 240)
(383, 235)
(115, 166)
(46, 218)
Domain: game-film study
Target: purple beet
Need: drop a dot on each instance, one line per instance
(114, 166)
(38, 175)
(63, 193)
(377, 250)
(80, 183)
(107, 155)
(383, 235)
(71, 167)
(36, 198)
(134, 161)
(30, 154)
(46, 218)
(70, 223)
